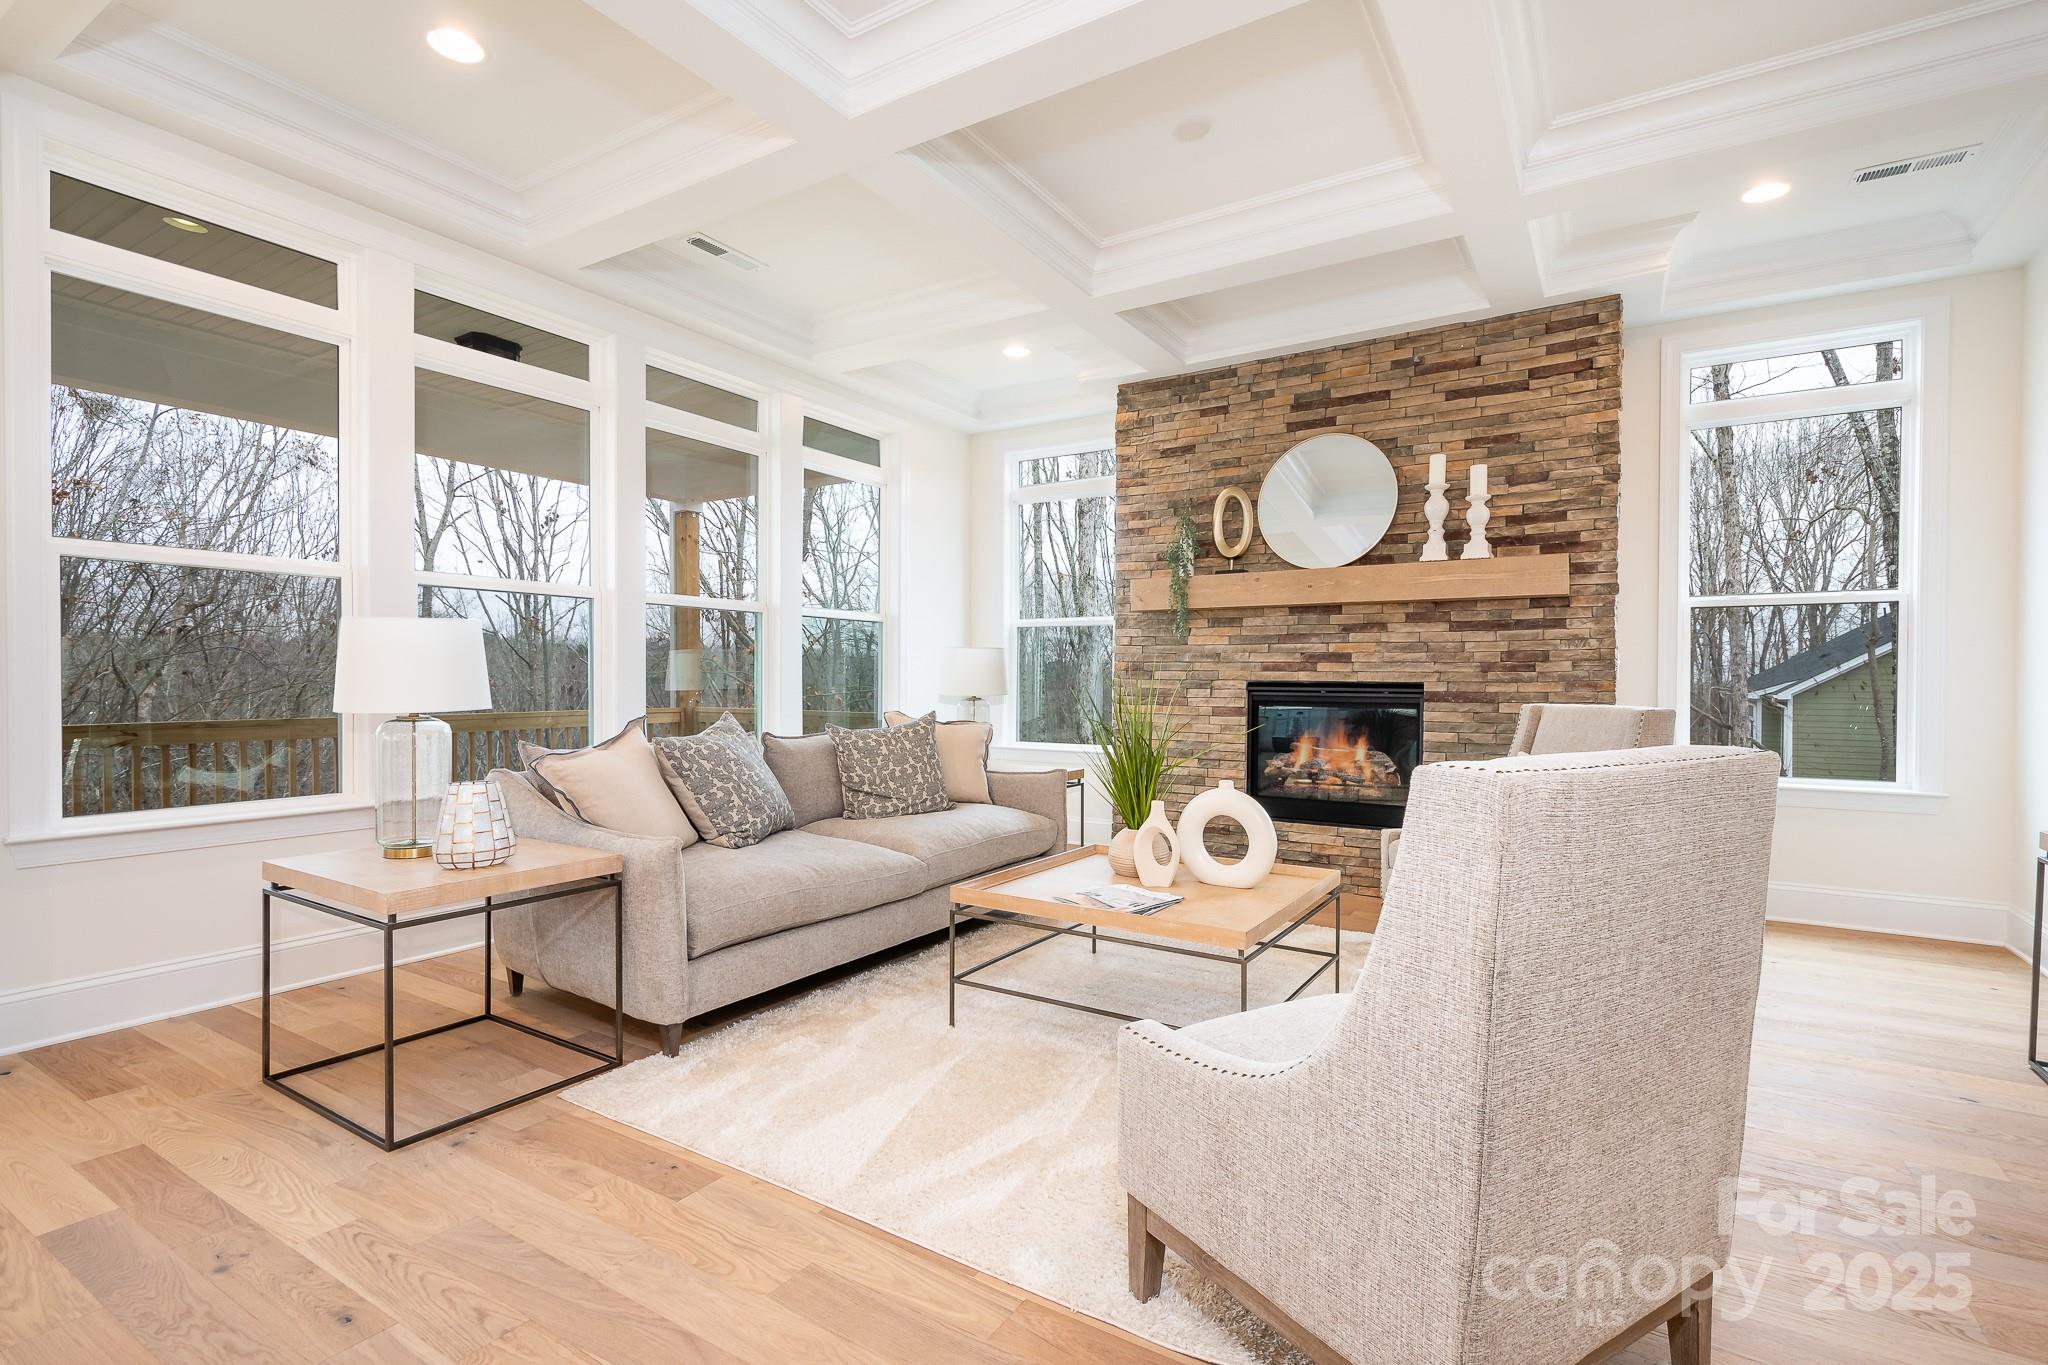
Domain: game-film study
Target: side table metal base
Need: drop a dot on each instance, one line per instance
(2034, 1060)
(389, 1140)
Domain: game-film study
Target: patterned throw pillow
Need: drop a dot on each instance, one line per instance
(724, 785)
(894, 771)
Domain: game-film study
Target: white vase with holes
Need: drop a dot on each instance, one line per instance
(1225, 802)
(1151, 871)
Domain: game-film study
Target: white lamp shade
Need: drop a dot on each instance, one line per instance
(976, 672)
(399, 665)
(685, 670)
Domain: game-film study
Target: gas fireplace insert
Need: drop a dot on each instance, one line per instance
(1333, 753)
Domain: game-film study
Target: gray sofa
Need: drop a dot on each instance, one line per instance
(708, 926)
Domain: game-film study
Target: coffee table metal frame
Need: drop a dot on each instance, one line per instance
(1054, 928)
(388, 926)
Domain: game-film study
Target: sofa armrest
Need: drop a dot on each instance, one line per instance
(568, 944)
(1041, 791)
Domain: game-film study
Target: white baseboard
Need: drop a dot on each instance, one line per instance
(36, 1016)
(1886, 912)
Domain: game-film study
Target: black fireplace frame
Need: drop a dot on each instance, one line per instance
(1308, 810)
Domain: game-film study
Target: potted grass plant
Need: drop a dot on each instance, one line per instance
(1135, 735)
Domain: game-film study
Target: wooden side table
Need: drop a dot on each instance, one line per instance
(362, 886)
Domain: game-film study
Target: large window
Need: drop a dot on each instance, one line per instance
(703, 538)
(1063, 586)
(842, 589)
(501, 534)
(1796, 573)
(195, 506)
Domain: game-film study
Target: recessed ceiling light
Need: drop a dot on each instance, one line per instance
(1192, 129)
(1017, 350)
(183, 224)
(1764, 191)
(456, 46)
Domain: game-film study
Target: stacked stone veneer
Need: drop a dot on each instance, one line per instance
(1535, 396)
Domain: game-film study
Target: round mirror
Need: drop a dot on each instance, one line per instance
(1327, 501)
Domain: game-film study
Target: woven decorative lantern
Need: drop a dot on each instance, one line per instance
(475, 831)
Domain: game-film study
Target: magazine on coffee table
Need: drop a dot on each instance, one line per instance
(1133, 900)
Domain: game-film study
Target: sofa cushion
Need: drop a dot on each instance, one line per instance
(807, 769)
(951, 845)
(789, 879)
(890, 771)
(616, 785)
(724, 785)
(963, 755)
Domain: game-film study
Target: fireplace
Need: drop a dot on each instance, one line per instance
(1333, 753)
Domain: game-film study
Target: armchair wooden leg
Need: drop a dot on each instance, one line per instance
(516, 980)
(1692, 1332)
(671, 1039)
(1148, 1253)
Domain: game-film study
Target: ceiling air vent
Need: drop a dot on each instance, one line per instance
(711, 246)
(1933, 161)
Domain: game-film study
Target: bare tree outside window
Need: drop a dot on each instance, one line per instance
(702, 537)
(1066, 587)
(172, 429)
(1781, 511)
(842, 558)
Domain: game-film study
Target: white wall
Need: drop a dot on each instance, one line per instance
(987, 615)
(1947, 871)
(97, 944)
(2031, 628)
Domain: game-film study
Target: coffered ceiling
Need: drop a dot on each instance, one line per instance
(994, 210)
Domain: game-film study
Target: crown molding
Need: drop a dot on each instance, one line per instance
(1580, 264)
(981, 175)
(662, 279)
(854, 28)
(1858, 258)
(1954, 53)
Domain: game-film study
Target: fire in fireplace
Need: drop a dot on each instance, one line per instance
(1333, 753)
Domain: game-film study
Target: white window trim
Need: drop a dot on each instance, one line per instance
(1016, 495)
(1922, 594)
(889, 617)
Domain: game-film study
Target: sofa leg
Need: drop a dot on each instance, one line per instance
(1148, 1253)
(671, 1039)
(516, 980)
(1692, 1332)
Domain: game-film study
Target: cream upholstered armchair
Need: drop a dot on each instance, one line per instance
(1550, 728)
(1546, 1056)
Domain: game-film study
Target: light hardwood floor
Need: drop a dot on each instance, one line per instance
(158, 1204)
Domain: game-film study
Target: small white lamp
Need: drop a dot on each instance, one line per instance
(976, 675)
(403, 667)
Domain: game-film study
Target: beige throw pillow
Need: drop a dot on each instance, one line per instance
(616, 785)
(963, 755)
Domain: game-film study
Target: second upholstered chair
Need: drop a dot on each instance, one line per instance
(1550, 728)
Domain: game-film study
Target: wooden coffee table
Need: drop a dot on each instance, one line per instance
(1214, 923)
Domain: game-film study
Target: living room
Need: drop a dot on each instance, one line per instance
(1107, 680)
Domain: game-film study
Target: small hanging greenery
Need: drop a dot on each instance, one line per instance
(1180, 567)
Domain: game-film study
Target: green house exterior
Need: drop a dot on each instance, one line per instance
(1817, 710)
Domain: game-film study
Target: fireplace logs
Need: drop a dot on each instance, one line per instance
(1337, 766)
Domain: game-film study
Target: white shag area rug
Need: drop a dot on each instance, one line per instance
(994, 1142)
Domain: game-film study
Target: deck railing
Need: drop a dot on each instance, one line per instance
(155, 765)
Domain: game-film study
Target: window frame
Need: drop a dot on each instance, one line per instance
(1016, 495)
(886, 616)
(39, 832)
(1921, 395)
(758, 445)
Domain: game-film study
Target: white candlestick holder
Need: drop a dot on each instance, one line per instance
(1436, 508)
(1476, 517)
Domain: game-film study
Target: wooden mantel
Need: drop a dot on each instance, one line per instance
(1450, 580)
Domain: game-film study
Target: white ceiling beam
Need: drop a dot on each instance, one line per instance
(1446, 54)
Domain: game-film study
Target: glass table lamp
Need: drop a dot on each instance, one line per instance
(404, 667)
(975, 675)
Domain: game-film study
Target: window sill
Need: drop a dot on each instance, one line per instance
(1032, 752)
(95, 837)
(1858, 796)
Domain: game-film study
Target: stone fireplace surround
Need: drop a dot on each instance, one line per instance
(1536, 396)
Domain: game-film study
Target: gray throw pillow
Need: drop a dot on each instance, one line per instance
(893, 771)
(723, 784)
